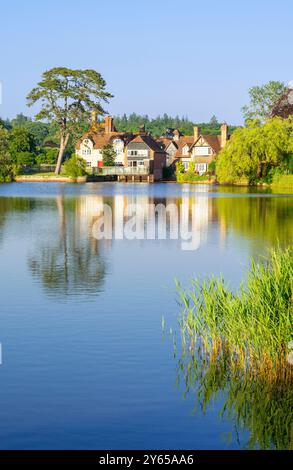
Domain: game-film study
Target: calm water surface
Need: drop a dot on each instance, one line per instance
(84, 361)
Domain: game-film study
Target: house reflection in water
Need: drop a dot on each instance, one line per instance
(140, 217)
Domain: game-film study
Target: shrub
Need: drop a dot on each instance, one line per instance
(26, 159)
(48, 156)
(74, 167)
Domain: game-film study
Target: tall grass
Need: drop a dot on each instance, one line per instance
(254, 324)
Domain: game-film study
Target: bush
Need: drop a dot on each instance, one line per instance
(212, 167)
(48, 156)
(74, 167)
(25, 159)
(180, 168)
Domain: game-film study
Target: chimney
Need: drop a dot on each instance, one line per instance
(196, 133)
(224, 135)
(109, 125)
(94, 118)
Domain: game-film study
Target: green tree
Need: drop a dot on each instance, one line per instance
(21, 141)
(252, 151)
(6, 163)
(74, 167)
(48, 156)
(262, 100)
(68, 96)
(214, 121)
(108, 154)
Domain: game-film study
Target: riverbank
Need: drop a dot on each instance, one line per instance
(52, 178)
(283, 184)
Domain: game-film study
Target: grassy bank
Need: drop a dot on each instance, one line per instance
(283, 182)
(253, 325)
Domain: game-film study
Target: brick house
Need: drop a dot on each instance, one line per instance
(199, 148)
(206, 147)
(135, 150)
(145, 152)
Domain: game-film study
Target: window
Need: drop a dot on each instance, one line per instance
(88, 164)
(186, 165)
(132, 153)
(201, 168)
(202, 151)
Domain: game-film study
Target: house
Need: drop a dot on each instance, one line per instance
(206, 147)
(143, 151)
(200, 149)
(139, 151)
(173, 143)
(91, 144)
(170, 147)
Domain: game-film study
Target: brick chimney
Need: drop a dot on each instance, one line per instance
(196, 133)
(224, 135)
(109, 124)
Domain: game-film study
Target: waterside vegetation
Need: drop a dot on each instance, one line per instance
(253, 324)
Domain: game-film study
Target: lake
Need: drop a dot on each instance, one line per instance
(85, 363)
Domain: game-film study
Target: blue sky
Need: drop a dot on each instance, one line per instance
(180, 57)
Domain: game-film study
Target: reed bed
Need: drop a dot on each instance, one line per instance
(252, 325)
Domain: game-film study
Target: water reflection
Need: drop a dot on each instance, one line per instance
(66, 259)
(258, 405)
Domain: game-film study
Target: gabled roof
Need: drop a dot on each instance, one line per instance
(186, 139)
(149, 141)
(100, 139)
(214, 141)
(166, 142)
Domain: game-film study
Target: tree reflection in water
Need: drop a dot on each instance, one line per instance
(68, 262)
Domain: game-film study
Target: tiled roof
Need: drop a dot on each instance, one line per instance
(166, 142)
(214, 141)
(149, 141)
(186, 139)
(100, 139)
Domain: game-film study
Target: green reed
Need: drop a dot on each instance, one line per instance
(254, 324)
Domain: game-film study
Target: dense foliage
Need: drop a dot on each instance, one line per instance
(108, 155)
(6, 163)
(74, 167)
(157, 126)
(256, 152)
(262, 100)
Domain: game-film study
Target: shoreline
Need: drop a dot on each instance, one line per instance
(103, 179)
